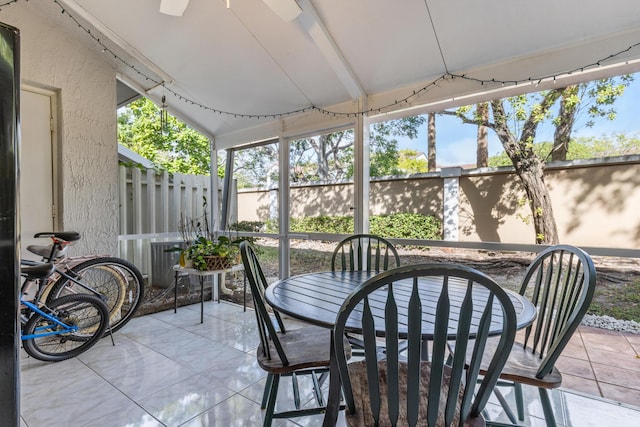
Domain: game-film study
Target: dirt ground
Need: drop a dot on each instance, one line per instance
(617, 289)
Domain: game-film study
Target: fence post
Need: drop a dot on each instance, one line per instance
(451, 202)
(152, 209)
(164, 200)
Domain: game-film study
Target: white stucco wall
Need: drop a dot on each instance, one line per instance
(61, 58)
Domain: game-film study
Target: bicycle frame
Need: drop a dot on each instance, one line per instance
(64, 274)
(65, 328)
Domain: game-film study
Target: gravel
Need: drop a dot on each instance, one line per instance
(610, 323)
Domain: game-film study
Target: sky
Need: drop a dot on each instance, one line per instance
(456, 142)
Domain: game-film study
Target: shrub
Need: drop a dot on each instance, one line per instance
(322, 224)
(406, 226)
(399, 226)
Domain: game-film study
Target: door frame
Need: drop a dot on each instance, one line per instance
(56, 155)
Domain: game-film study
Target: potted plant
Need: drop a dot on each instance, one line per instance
(203, 250)
(209, 254)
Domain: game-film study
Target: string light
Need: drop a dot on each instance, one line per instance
(406, 100)
(9, 2)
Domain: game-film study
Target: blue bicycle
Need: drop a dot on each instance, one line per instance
(63, 327)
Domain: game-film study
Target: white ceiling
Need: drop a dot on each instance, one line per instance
(219, 67)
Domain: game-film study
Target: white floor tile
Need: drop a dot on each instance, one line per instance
(168, 369)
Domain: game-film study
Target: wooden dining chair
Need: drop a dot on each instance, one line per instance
(560, 282)
(286, 352)
(364, 252)
(402, 387)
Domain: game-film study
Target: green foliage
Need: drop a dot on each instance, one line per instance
(327, 157)
(203, 247)
(177, 148)
(617, 144)
(409, 163)
(399, 226)
(322, 224)
(406, 226)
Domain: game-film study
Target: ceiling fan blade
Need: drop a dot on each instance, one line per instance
(173, 7)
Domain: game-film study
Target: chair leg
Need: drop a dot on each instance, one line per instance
(505, 406)
(267, 390)
(296, 390)
(546, 407)
(519, 400)
(317, 387)
(271, 402)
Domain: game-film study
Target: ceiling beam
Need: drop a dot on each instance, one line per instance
(80, 12)
(312, 23)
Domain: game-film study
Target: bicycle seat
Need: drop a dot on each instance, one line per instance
(45, 251)
(67, 236)
(37, 271)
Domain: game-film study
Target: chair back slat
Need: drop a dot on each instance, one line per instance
(438, 350)
(258, 284)
(496, 363)
(403, 387)
(369, 333)
(458, 365)
(414, 351)
(560, 282)
(391, 346)
(364, 252)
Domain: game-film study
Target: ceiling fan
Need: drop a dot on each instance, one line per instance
(287, 10)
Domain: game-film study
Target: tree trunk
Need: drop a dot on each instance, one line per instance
(482, 154)
(431, 142)
(321, 154)
(566, 119)
(529, 168)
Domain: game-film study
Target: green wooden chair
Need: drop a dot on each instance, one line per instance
(286, 353)
(560, 282)
(364, 252)
(402, 386)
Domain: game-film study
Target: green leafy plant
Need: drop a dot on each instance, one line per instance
(204, 247)
(399, 225)
(200, 243)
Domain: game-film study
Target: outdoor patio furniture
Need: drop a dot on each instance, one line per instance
(401, 387)
(560, 282)
(364, 252)
(291, 353)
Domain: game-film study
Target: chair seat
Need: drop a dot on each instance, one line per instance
(306, 347)
(363, 417)
(522, 367)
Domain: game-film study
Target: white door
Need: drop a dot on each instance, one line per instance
(36, 168)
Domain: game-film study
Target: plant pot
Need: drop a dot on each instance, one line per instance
(185, 261)
(216, 263)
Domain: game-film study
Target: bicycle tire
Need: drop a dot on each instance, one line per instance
(117, 280)
(86, 311)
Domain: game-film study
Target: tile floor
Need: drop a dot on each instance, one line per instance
(167, 369)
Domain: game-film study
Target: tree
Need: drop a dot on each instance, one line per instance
(617, 144)
(516, 128)
(329, 157)
(596, 97)
(176, 148)
(410, 162)
(431, 142)
(482, 154)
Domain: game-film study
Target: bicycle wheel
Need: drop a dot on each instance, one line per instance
(87, 312)
(119, 281)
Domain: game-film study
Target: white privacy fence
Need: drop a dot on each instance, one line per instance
(151, 207)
